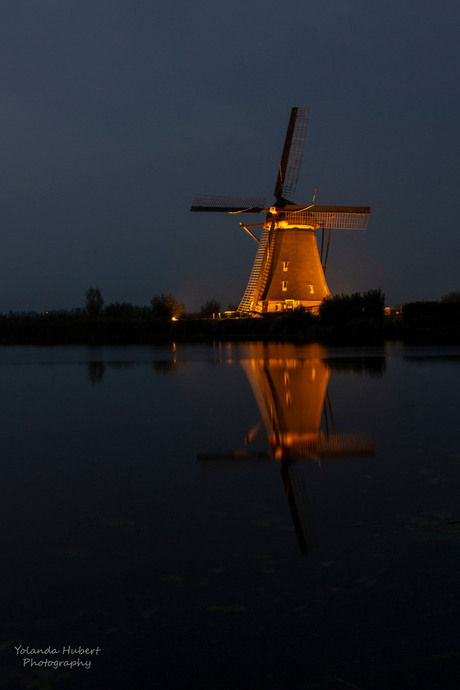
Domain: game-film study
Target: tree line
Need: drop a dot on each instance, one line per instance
(343, 319)
(161, 306)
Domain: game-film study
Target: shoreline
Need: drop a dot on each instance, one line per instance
(428, 326)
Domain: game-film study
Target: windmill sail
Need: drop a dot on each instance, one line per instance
(291, 157)
(247, 301)
(227, 204)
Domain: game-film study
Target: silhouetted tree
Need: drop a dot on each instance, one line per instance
(121, 309)
(211, 307)
(94, 302)
(166, 306)
(342, 309)
(374, 304)
(451, 297)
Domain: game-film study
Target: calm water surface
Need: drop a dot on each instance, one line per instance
(230, 516)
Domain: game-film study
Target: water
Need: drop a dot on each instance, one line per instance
(138, 523)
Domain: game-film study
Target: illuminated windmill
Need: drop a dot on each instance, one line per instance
(288, 271)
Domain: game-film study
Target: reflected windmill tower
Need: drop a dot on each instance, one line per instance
(291, 390)
(288, 270)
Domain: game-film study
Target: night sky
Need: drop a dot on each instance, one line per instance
(115, 112)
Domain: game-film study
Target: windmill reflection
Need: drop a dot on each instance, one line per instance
(292, 395)
(290, 384)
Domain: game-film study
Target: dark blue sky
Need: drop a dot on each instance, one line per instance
(115, 112)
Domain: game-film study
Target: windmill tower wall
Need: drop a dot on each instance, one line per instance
(296, 277)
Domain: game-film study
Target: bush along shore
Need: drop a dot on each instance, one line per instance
(346, 319)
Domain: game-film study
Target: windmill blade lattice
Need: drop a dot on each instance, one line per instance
(291, 157)
(333, 217)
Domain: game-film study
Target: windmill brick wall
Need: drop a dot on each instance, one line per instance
(296, 275)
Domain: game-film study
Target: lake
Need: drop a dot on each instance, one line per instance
(251, 516)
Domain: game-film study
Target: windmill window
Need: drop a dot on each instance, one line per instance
(285, 265)
(284, 285)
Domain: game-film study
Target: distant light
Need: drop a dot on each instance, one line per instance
(174, 318)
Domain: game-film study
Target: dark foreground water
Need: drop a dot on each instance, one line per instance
(146, 539)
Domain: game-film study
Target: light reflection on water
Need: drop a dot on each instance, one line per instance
(159, 502)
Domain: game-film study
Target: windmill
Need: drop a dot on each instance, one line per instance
(288, 271)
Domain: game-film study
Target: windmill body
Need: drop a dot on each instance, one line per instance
(295, 276)
(288, 271)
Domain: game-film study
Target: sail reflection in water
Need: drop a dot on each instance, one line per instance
(290, 385)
